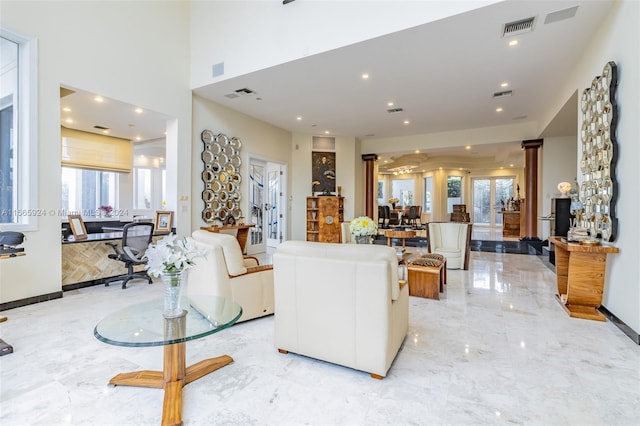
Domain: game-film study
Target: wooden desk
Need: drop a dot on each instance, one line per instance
(580, 273)
(241, 235)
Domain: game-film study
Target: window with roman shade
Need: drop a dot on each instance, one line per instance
(96, 152)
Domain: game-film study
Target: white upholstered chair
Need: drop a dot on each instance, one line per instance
(340, 303)
(227, 273)
(453, 241)
(345, 231)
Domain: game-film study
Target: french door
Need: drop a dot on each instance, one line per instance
(489, 194)
(266, 204)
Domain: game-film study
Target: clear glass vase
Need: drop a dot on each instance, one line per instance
(363, 239)
(175, 284)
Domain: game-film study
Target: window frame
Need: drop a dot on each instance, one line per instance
(428, 194)
(26, 131)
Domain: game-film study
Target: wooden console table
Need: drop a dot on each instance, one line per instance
(241, 236)
(580, 273)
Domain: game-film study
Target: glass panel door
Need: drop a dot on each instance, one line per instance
(482, 202)
(273, 208)
(504, 191)
(257, 177)
(489, 194)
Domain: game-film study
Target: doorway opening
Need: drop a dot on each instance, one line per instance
(268, 213)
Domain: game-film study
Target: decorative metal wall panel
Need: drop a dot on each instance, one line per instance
(221, 177)
(599, 154)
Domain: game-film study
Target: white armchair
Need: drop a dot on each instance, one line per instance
(453, 241)
(227, 273)
(340, 303)
(345, 231)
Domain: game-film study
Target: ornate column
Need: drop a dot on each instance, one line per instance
(531, 148)
(370, 184)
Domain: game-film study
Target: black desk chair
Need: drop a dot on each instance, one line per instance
(136, 237)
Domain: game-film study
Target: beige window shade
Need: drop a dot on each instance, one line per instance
(90, 151)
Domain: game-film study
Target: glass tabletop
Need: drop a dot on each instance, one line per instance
(142, 324)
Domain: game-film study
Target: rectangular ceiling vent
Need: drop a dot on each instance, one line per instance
(503, 94)
(561, 15)
(518, 27)
(100, 127)
(394, 110)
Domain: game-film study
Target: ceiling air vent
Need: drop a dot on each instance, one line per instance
(503, 94)
(244, 91)
(518, 27)
(394, 110)
(100, 127)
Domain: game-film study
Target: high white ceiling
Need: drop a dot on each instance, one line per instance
(442, 74)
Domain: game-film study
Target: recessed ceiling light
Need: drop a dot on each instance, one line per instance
(99, 99)
(299, 118)
(460, 168)
(510, 165)
(501, 168)
(326, 132)
(406, 121)
(106, 132)
(66, 109)
(505, 84)
(68, 120)
(365, 76)
(467, 147)
(513, 42)
(390, 104)
(417, 151)
(139, 110)
(499, 109)
(138, 138)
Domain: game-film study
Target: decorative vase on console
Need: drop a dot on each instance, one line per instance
(170, 259)
(363, 229)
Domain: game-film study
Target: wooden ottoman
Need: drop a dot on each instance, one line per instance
(426, 277)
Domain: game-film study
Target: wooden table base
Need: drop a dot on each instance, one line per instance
(172, 379)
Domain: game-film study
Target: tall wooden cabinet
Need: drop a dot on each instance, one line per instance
(324, 214)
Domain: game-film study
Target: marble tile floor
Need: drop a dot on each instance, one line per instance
(496, 349)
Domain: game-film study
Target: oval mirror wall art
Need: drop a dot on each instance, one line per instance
(221, 177)
(599, 154)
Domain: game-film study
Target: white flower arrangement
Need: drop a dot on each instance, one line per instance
(171, 255)
(363, 225)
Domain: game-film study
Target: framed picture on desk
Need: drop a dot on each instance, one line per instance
(164, 221)
(77, 227)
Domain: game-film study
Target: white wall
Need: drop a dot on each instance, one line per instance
(105, 47)
(558, 165)
(259, 139)
(618, 40)
(259, 34)
(349, 175)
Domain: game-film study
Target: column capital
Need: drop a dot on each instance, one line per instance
(369, 157)
(532, 144)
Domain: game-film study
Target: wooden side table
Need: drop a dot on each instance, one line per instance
(241, 235)
(580, 272)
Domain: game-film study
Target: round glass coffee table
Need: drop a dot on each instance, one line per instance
(142, 324)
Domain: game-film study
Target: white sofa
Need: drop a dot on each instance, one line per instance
(227, 273)
(453, 241)
(340, 303)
